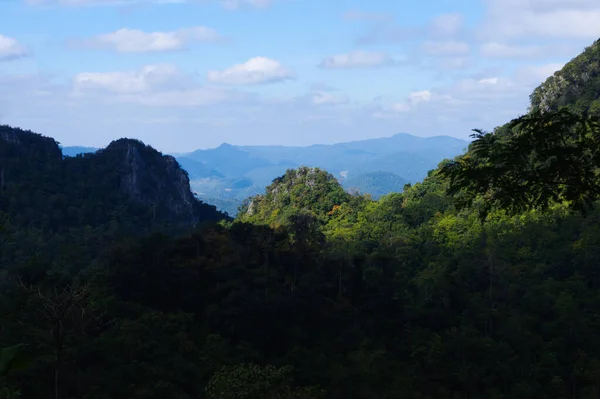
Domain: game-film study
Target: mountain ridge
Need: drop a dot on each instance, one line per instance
(228, 174)
(152, 186)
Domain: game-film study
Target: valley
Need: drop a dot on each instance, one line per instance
(225, 176)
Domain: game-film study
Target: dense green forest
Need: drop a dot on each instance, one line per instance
(482, 281)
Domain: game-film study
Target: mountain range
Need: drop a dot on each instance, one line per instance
(225, 176)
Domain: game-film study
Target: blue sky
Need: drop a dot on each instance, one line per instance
(187, 74)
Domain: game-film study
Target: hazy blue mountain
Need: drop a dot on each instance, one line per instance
(228, 174)
(374, 183)
(229, 160)
(76, 150)
(197, 170)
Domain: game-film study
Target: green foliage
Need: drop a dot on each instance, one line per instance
(247, 381)
(12, 359)
(547, 158)
(298, 191)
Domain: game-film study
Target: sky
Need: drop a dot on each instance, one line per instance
(187, 74)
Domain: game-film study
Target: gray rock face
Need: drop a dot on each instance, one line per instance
(156, 180)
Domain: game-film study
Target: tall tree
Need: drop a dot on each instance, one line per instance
(536, 160)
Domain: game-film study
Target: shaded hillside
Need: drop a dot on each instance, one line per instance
(228, 174)
(127, 188)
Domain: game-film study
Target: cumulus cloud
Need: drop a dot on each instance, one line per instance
(409, 104)
(227, 4)
(419, 96)
(236, 4)
(167, 108)
(194, 97)
(257, 70)
(443, 27)
(357, 59)
(513, 19)
(472, 102)
(501, 50)
(11, 49)
(446, 25)
(321, 86)
(537, 73)
(147, 78)
(328, 98)
(161, 85)
(356, 15)
(137, 41)
(445, 48)
(494, 49)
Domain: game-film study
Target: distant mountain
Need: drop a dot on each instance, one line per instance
(374, 183)
(76, 150)
(374, 166)
(225, 176)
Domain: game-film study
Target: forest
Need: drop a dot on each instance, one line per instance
(482, 281)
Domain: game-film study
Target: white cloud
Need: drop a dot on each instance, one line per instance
(536, 74)
(180, 98)
(357, 59)
(495, 98)
(320, 86)
(356, 15)
(136, 41)
(419, 96)
(166, 108)
(455, 63)
(400, 107)
(236, 4)
(444, 48)
(409, 104)
(501, 50)
(160, 85)
(325, 98)
(514, 19)
(446, 25)
(257, 70)
(549, 5)
(145, 79)
(11, 49)
(227, 4)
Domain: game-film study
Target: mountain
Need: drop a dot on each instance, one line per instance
(375, 183)
(76, 150)
(228, 174)
(378, 166)
(305, 190)
(127, 183)
(576, 86)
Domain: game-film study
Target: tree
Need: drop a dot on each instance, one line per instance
(536, 160)
(250, 381)
(11, 359)
(63, 311)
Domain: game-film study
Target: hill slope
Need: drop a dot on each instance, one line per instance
(406, 156)
(576, 86)
(127, 180)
